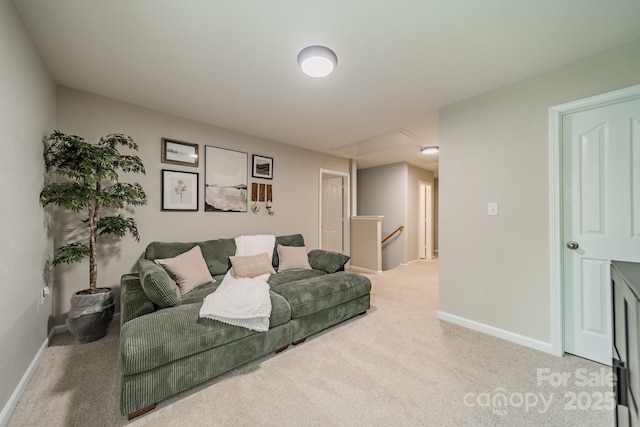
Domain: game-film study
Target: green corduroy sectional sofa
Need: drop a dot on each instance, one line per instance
(164, 351)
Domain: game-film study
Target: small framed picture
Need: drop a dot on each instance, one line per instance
(262, 167)
(179, 191)
(179, 152)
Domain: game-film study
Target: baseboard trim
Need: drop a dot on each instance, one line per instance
(15, 396)
(498, 333)
(60, 329)
(364, 270)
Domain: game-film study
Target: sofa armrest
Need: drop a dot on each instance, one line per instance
(327, 261)
(133, 301)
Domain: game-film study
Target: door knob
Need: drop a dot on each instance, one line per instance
(573, 245)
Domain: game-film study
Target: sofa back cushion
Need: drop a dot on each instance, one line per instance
(157, 250)
(327, 261)
(291, 240)
(216, 253)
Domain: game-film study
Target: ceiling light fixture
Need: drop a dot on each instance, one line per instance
(433, 149)
(317, 61)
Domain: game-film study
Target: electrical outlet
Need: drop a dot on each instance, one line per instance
(43, 295)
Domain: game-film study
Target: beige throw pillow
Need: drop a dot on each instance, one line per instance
(293, 258)
(189, 269)
(252, 265)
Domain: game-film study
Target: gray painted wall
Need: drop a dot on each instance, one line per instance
(295, 185)
(392, 191)
(27, 114)
(382, 191)
(494, 148)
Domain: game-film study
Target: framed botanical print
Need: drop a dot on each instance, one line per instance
(179, 191)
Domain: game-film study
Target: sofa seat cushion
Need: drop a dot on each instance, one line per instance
(174, 333)
(198, 294)
(291, 276)
(320, 293)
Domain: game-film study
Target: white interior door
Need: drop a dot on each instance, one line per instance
(601, 218)
(333, 219)
(425, 221)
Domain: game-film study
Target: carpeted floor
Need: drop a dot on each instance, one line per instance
(398, 365)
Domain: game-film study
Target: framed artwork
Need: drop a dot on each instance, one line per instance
(179, 152)
(262, 167)
(179, 191)
(225, 183)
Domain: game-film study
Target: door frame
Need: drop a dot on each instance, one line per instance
(425, 200)
(346, 197)
(556, 113)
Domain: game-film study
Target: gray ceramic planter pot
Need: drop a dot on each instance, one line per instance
(91, 314)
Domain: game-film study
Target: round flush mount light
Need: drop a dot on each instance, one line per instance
(433, 149)
(317, 61)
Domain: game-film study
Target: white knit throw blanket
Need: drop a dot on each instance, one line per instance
(243, 302)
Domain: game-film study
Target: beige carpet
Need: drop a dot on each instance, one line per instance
(398, 365)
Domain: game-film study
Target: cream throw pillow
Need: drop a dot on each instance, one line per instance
(252, 265)
(189, 269)
(293, 258)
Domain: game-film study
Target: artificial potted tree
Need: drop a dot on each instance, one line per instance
(88, 184)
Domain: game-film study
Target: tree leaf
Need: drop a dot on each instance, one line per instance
(118, 225)
(73, 252)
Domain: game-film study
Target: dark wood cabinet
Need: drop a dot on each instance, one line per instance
(625, 282)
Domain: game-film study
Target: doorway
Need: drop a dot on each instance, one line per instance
(425, 221)
(595, 158)
(334, 211)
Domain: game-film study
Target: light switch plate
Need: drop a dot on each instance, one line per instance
(492, 208)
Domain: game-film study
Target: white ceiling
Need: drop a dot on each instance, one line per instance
(232, 63)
